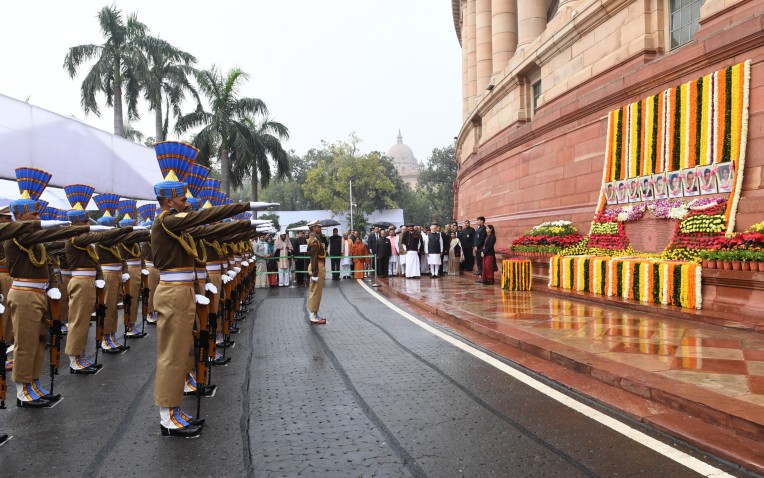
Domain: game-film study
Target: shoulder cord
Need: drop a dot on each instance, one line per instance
(30, 253)
(132, 250)
(90, 250)
(215, 245)
(188, 246)
(202, 261)
(114, 251)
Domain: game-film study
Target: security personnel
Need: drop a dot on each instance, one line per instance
(316, 271)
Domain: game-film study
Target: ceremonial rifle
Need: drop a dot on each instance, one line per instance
(202, 339)
(144, 300)
(55, 339)
(127, 303)
(3, 358)
(227, 307)
(100, 317)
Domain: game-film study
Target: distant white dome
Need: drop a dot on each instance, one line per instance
(404, 161)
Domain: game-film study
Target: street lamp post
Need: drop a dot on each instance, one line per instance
(351, 204)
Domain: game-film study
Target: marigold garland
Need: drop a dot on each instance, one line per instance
(516, 274)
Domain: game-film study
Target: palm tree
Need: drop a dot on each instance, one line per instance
(264, 144)
(167, 82)
(119, 63)
(223, 127)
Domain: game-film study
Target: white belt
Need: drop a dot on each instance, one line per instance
(66, 272)
(237, 258)
(180, 276)
(112, 268)
(56, 270)
(213, 267)
(149, 264)
(30, 284)
(87, 273)
(201, 274)
(134, 262)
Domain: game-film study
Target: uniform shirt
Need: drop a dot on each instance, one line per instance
(76, 248)
(19, 264)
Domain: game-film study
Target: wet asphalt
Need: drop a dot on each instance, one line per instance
(368, 394)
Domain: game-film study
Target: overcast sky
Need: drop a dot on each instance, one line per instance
(323, 68)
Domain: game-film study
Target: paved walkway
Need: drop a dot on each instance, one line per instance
(703, 371)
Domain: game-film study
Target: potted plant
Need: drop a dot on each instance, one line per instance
(758, 259)
(726, 258)
(746, 257)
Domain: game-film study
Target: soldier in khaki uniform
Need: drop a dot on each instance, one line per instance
(316, 271)
(174, 300)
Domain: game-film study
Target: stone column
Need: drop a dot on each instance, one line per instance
(484, 50)
(465, 63)
(531, 21)
(471, 54)
(566, 4)
(503, 32)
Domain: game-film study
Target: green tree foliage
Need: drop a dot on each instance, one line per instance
(264, 147)
(436, 183)
(119, 65)
(288, 191)
(328, 181)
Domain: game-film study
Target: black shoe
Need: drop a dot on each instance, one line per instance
(196, 422)
(225, 344)
(97, 366)
(122, 348)
(188, 431)
(234, 330)
(139, 335)
(113, 351)
(222, 361)
(3, 437)
(39, 403)
(83, 371)
(52, 397)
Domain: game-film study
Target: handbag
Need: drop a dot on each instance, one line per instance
(457, 251)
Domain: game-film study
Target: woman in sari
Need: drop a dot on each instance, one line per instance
(489, 255)
(359, 263)
(455, 256)
(261, 255)
(273, 279)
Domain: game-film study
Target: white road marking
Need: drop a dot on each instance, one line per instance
(676, 455)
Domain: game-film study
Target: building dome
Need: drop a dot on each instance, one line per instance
(404, 161)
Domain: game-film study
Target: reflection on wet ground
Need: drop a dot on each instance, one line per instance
(727, 361)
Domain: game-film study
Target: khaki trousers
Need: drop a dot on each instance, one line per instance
(113, 280)
(176, 310)
(5, 287)
(28, 309)
(135, 292)
(82, 301)
(216, 280)
(153, 283)
(316, 288)
(64, 298)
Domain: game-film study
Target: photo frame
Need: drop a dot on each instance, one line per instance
(690, 183)
(635, 191)
(675, 185)
(725, 177)
(622, 192)
(707, 180)
(646, 188)
(610, 189)
(660, 186)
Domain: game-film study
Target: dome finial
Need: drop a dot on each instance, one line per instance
(400, 138)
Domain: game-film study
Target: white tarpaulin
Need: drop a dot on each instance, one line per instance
(73, 152)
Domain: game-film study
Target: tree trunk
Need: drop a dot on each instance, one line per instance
(119, 124)
(158, 120)
(254, 182)
(225, 171)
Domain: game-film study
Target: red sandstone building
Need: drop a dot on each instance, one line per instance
(541, 76)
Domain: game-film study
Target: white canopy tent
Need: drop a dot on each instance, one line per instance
(72, 152)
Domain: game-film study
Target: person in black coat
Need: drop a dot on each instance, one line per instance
(300, 264)
(446, 237)
(383, 252)
(467, 241)
(489, 256)
(480, 235)
(335, 250)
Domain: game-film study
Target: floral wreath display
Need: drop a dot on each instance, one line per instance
(548, 237)
(678, 155)
(516, 274)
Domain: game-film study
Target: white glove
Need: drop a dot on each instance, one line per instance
(52, 224)
(2, 309)
(225, 279)
(201, 300)
(231, 274)
(100, 283)
(257, 206)
(211, 288)
(100, 228)
(2, 297)
(237, 269)
(145, 272)
(54, 293)
(125, 278)
(245, 263)
(314, 279)
(139, 228)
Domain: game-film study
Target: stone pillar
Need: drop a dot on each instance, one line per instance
(484, 50)
(471, 54)
(503, 32)
(566, 4)
(531, 21)
(465, 62)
